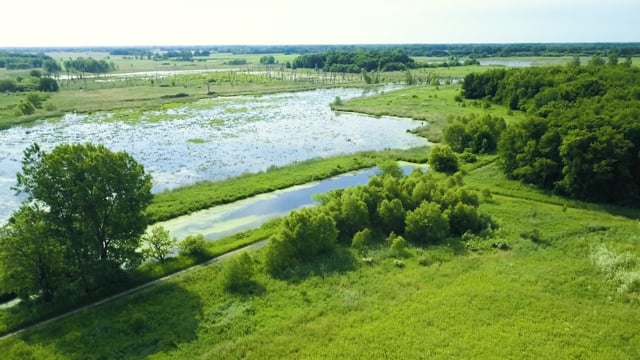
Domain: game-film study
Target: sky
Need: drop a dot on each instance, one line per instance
(65, 23)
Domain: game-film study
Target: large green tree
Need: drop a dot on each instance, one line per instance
(95, 199)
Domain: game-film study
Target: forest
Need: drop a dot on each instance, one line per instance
(582, 134)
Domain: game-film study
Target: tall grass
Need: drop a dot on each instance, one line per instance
(545, 299)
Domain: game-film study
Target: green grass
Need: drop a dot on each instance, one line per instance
(433, 104)
(537, 300)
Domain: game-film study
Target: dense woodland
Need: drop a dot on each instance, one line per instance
(582, 136)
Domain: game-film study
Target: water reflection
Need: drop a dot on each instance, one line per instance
(225, 220)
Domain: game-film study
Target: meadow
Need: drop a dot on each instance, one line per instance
(546, 297)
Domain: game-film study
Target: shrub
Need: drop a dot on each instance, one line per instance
(362, 239)
(25, 108)
(443, 159)
(303, 235)
(427, 224)
(193, 246)
(399, 246)
(238, 273)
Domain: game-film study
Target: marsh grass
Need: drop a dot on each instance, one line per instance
(434, 105)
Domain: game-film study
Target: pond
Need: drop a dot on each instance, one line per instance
(213, 139)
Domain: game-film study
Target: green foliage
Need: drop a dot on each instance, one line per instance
(237, 275)
(47, 84)
(362, 239)
(478, 134)
(94, 199)
(391, 168)
(356, 61)
(427, 224)
(303, 235)
(399, 246)
(25, 108)
(623, 269)
(32, 257)
(158, 243)
(579, 145)
(193, 246)
(443, 159)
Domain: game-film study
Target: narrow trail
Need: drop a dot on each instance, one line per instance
(256, 245)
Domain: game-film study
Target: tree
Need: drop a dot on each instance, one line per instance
(159, 243)
(47, 84)
(443, 159)
(95, 198)
(31, 256)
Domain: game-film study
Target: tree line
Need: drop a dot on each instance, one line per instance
(22, 60)
(356, 61)
(582, 134)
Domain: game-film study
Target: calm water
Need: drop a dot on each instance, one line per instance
(214, 139)
(225, 220)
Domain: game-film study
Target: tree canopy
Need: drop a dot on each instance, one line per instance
(87, 203)
(582, 137)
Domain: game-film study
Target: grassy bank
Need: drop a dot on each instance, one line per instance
(539, 299)
(436, 105)
(184, 200)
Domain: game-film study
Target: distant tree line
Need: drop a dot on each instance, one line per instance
(89, 65)
(20, 60)
(430, 50)
(356, 61)
(582, 137)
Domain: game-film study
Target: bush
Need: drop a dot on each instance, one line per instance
(443, 159)
(47, 84)
(303, 235)
(399, 246)
(193, 246)
(25, 108)
(427, 224)
(238, 273)
(362, 239)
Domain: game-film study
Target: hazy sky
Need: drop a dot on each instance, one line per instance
(209, 22)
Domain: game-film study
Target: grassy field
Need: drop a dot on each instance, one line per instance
(543, 299)
(433, 104)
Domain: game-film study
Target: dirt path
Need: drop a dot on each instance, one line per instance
(137, 288)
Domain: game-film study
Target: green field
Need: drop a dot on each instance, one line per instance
(544, 299)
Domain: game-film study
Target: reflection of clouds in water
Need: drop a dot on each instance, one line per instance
(258, 132)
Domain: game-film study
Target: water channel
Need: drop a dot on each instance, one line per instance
(213, 139)
(225, 220)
